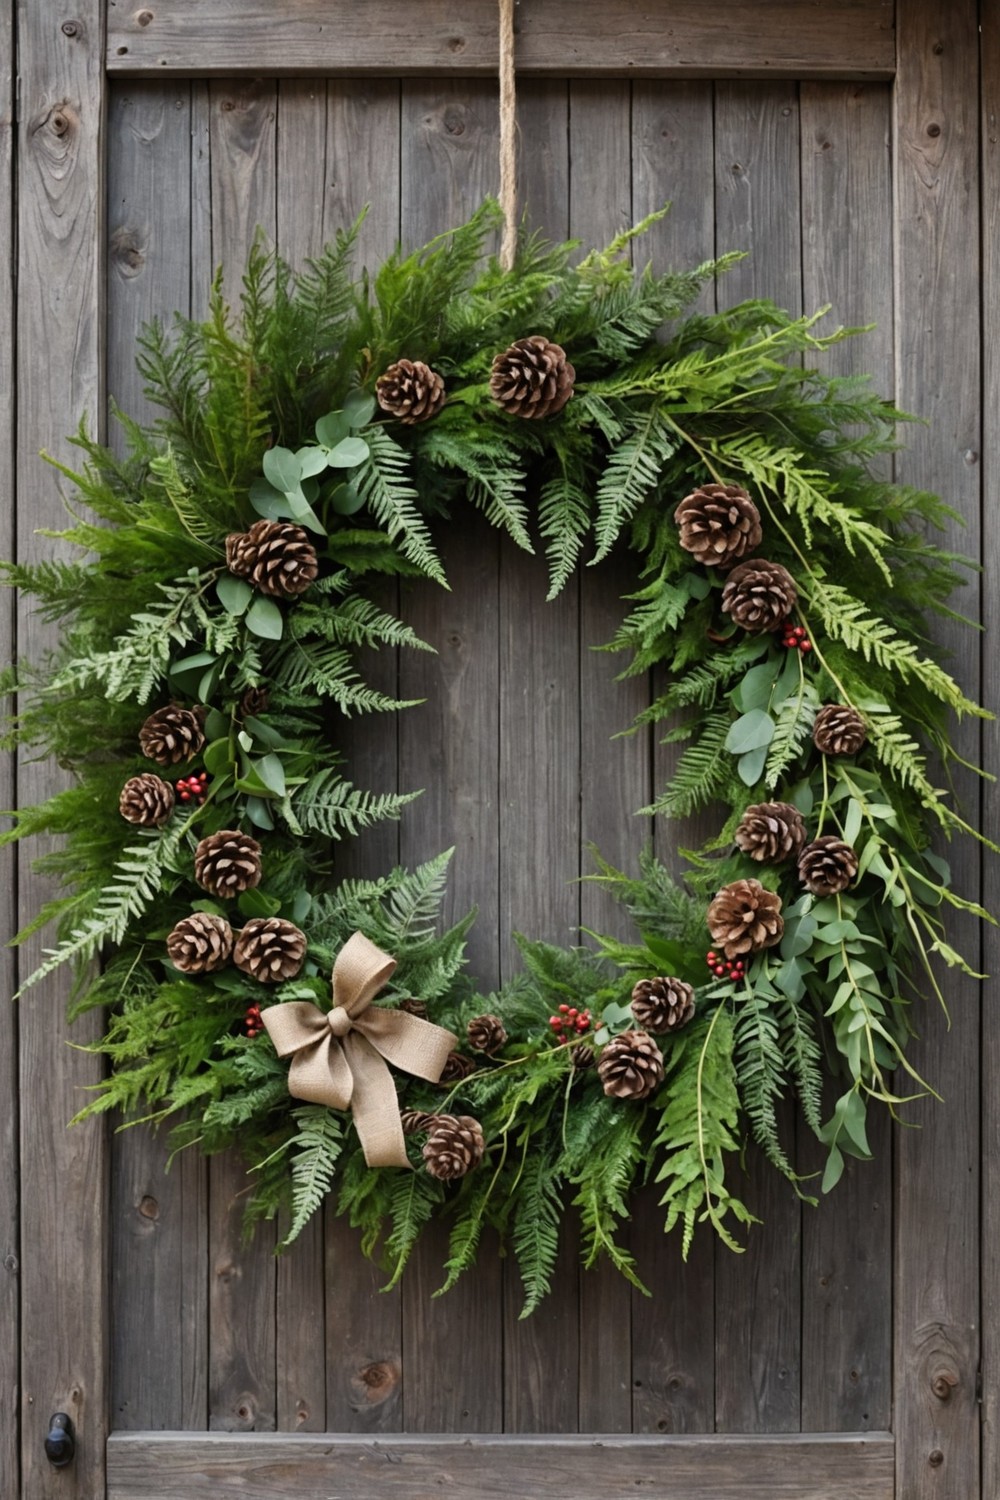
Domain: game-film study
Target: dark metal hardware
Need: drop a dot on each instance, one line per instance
(60, 1445)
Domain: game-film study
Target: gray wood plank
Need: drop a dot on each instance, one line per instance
(243, 168)
(451, 1376)
(990, 1147)
(364, 1341)
(672, 161)
(936, 1293)
(155, 1467)
(846, 1241)
(362, 160)
(10, 1325)
(757, 1316)
(735, 38)
(60, 277)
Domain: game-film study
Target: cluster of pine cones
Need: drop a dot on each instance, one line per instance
(533, 378)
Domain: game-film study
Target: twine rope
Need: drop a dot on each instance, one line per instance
(508, 135)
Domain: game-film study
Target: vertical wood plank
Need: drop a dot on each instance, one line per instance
(10, 1323)
(990, 1146)
(452, 1379)
(937, 1166)
(673, 1355)
(757, 1317)
(847, 1239)
(362, 157)
(242, 1293)
(59, 377)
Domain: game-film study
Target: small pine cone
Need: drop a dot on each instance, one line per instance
(457, 1066)
(255, 701)
(417, 1121)
(582, 1056)
(771, 831)
(171, 735)
(662, 1004)
(455, 1146)
(200, 943)
(827, 866)
(839, 730)
(146, 800)
(276, 556)
(631, 1066)
(486, 1034)
(719, 524)
(227, 863)
(533, 378)
(759, 595)
(414, 1007)
(270, 949)
(744, 918)
(410, 391)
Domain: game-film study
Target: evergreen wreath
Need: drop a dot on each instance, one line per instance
(207, 655)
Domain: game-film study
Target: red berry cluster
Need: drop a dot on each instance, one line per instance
(252, 1024)
(192, 788)
(794, 637)
(725, 968)
(569, 1022)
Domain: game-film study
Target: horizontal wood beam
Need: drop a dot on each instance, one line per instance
(564, 38)
(316, 1466)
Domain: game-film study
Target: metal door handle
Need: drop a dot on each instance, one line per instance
(60, 1445)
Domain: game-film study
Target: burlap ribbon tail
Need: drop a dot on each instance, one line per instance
(339, 1057)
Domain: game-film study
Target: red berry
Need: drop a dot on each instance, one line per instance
(710, 955)
(720, 971)
(554, 1021)
(564, 1010)
(185, 796)
(806, 646)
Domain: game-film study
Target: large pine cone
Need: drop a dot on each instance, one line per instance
(276, 556)
(457, 1066)
(486, 1034)
(454, 1146)
(270, 949)
(719, 524)
(662, 1004)
(839, 730)
(771, 831)
(147, 800)
(759, 595)
(533, 378)
(410, 391)
(227, 863)
(200, 943)
(631, 1066)
(171, 735)
(827, 865)
(744, 918)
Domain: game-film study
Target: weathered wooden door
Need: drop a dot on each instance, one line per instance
(840, 1356)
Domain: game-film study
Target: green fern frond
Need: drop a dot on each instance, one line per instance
(329, 805)
(315, 1151)
(385, 488)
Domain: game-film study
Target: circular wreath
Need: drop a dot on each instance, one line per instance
(207, 658)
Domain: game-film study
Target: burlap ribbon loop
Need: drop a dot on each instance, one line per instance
(339, 1057)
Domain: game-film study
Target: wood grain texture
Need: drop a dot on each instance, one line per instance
(990, 1147)
(937, 1311)
(847, 1239)
(60, 278)
(158, 1467)
(10, 1310)
(732, 38)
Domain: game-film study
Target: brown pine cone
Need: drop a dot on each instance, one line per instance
(582, 1056)
(418, 1121)
(486, 1034)
(172, 734)
(410, 391)
(744, 918)
(255, 701)
(631, 1066)
(455, 1146)
(719, 524)
(662, 1004)
(839, 730)
(146, 800)
(200, 943)
(276, 556)
(759, 595)
(827, 865)
(771, 831)
(457, 1066)
(414, 1007)
(533, 378)
(270, 949)
(227, 863)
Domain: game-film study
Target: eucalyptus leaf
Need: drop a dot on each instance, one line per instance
(348, 453)
(259, 814)
(265, 619)
(755, 689)
(282, 469)
(312, 460)
(751, 731)
(257, 903)
(751, 765)
(234, 593)
(217, 758)
(272, 773)
(345, 500)
(359, 408)
(332, 429)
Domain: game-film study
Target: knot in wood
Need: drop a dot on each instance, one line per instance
(943, 1383)
(935, 1458)
(70, 28)
(149, 1208)
(127, 252)
(143, 17)
(376, 1382)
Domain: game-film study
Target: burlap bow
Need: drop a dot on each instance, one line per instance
(337, 1057)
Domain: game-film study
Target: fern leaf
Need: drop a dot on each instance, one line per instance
(385, 489)
(631, 474)
(760, 1066)
(316, 1149)
(535, 1232)
(329, 805)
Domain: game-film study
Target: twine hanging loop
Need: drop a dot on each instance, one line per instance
(508, 135)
